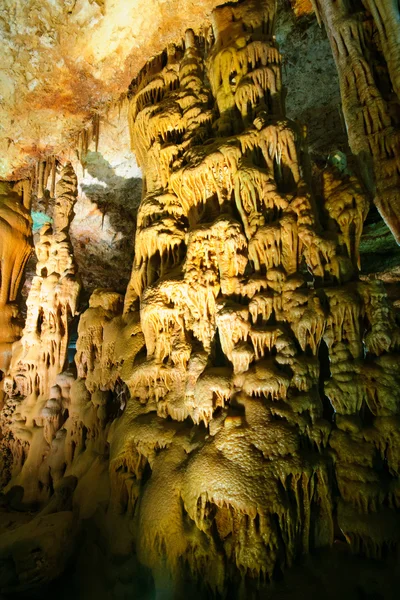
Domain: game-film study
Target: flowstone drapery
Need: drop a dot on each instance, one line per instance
(240, 406)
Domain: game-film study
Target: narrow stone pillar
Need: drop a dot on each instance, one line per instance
(15, 249)
(365, 41)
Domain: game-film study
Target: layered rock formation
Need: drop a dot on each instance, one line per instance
(238, 408)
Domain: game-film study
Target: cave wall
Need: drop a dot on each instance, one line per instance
(237, 408)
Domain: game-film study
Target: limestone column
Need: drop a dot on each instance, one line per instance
(231, 328)
(41, 353)
(52, 300)
(365, 41)
(15, 249)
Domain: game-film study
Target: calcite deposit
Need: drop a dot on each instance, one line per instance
(365, 38)
(15, 249)
(41, 353)
(239, 406)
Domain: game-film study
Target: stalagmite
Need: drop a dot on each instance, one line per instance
(201, 296)
(41, 353)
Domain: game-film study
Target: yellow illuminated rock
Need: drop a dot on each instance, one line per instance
(238, 408)
(370, 98)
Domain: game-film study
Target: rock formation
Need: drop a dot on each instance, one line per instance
(32, 415)
(365, 40)
(240, 406)
(15, 249)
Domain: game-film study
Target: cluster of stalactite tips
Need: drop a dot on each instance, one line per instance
(240, 406)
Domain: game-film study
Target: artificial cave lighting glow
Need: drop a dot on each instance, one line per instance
(238, 408)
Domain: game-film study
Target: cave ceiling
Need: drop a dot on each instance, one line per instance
(63, 60)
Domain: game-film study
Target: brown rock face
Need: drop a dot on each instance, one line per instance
(239, 406)
(302, 7)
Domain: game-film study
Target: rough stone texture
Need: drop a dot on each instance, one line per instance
(104, 217)
(301, 7)
(102, 232)
(15, 248)
(103, 238)
(239, 407)
(104, 249)
(365, 40)
(62, 60)
(309, 72)
(380, 258)
(110, 188)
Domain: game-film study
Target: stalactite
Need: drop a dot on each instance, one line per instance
(200, 399)
(268, 325)
(53, 177)
(41, 178)
(96, 130)
(199, 291)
